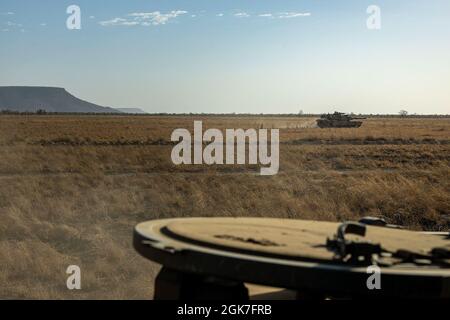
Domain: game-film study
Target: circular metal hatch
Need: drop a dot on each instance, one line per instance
(287, 253)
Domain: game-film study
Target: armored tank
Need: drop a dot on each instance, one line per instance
(339, 120)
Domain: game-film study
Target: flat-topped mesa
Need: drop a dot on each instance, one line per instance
(50, 99)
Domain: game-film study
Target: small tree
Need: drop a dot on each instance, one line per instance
(403, 113)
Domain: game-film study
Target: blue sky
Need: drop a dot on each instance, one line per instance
(222, 56)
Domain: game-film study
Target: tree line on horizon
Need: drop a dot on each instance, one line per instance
(401, 114)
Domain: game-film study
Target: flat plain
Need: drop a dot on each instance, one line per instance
(73, 187)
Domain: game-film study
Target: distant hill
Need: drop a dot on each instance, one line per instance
(32, 99)
(131, 110)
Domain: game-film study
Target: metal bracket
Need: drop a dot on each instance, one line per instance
(357, 251)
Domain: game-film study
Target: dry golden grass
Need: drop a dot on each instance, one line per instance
(73, 187)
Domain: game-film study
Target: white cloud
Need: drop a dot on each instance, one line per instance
(6, 13)
(113, 22)
(92, 17)
(118, 22)
(156, 18)
(43, 24)
(144, 19)
(242, 15)
(130, 23)
(13, 24)
(287, 15)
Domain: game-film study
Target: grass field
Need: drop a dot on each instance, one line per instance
(73, 187)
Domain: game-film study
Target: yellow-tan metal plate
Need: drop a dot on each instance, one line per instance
(290, 238)
(288, 254)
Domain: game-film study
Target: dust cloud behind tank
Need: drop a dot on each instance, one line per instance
(339, 120)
